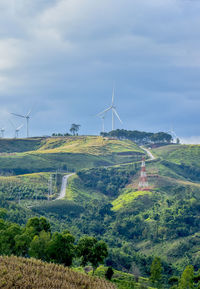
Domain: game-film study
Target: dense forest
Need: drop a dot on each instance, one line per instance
(36, 240)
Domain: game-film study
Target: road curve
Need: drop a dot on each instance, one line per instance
(63, 187)
(151, 156)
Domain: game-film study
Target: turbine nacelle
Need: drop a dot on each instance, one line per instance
(27, 117)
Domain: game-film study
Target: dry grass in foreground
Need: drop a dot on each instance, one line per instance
(17, 272)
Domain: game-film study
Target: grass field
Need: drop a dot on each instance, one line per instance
(186, 154)
(68, 154)
(127, 198)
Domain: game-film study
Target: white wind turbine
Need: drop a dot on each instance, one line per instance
(103, 122)
(27, 117)
(173, 134)
(2, 130)
(17, 129)
(114, 112)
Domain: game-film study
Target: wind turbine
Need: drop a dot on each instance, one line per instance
(103, 122)
(173, 134)
(27, 117)
(113, 109)
(17, 129)
(2, 130)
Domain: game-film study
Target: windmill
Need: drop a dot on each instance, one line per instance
(113, 110)
(27, 117)
(103, 122)
(2, 130)
(17, 129)
(174, 135)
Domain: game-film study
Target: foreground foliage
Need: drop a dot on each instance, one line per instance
(18, 272)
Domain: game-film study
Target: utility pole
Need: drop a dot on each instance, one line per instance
(50, 186)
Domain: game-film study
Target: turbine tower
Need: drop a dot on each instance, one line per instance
(27, 117)
(173, 134)
(113, 110)
(103, 122)
(17, 129)
(2, 130)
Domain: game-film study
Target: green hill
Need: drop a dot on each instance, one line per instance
(102, 198)
(64, 153)
(163, 221)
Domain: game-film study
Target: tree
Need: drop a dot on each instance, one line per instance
(39, 245)
(187, 278)
(109, 273)
(75, 128)
(91, 251)
(156, 270)
(38, 225)
(61, 248)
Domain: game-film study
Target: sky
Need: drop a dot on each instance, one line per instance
(61, 59)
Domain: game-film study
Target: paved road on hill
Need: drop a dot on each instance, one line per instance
(149, 153)
(64, 186)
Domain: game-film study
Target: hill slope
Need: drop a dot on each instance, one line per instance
(66, 153)
(24, 273)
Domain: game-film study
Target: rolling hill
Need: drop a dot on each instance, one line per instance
(102, 198)
(22, 156)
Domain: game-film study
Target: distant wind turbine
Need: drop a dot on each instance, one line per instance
(114, 112)
(17, 129)
(2, 130)
(103, 122)
(173, 134)
(27, 117)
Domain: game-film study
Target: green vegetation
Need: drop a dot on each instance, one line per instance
(64, 153)
(127, 198)
(140, 137)
(102, 200)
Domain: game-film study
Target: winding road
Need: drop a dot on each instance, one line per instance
(63, 187)
(151, 156)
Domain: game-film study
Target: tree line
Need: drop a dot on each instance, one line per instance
(140, 137)
(36, 240)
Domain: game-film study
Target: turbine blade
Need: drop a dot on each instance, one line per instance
(117, 115)
(113, 95)
(104, 111)
(29, 112)
(18, 115)
(20, 127)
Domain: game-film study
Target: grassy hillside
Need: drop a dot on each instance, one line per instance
(103, 198)
(186, 154)
(66, 153)
(24, 273)
(152, 222)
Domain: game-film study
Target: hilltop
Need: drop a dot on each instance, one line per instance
(21, 156)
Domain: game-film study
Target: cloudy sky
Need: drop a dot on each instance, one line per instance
(60, 58)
